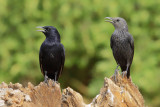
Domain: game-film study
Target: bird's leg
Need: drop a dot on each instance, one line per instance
(55, 78)
(116, 73)
(124, 73)
(46, 78)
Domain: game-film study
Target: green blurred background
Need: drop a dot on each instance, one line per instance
(86, 38)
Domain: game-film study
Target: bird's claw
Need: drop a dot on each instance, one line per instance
(54, 83)
(116, 72)
(46, 78)
(46, 81)
(116, 75)
(124, 73)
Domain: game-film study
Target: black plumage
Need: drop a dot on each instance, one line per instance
(51, 54)
(122, 44)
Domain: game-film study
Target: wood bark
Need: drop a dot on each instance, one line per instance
(120, 92)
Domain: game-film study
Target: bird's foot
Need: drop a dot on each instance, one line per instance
(124, 74)
(116, 75)
(46, 80)
(54, 82)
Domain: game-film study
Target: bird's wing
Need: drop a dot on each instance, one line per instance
(131, 42)
(40, 61)
(111, 41)
(62, 59)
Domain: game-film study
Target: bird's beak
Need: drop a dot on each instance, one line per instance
(109, 19)
(42, 29)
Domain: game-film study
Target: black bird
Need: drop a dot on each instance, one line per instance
(51, 54)
(122, 45)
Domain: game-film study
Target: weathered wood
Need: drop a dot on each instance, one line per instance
(122, 93)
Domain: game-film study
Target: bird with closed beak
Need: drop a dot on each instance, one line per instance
(122, 45)
(51, 54)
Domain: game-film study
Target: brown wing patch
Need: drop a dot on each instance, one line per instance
(42, 69)
(60, 71)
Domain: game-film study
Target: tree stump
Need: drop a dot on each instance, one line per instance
(119, 93)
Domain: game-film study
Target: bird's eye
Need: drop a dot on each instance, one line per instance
(47, 29)
(118, 20)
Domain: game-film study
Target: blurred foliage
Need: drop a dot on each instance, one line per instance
(86, 38)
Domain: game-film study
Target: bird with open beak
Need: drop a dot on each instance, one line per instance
(122, 45)
(51, 54)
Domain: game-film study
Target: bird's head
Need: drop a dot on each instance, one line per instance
(48, 30)
(118, 22)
